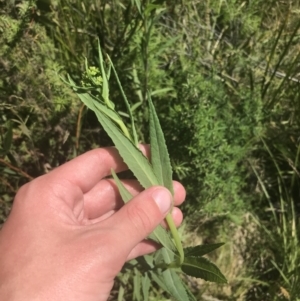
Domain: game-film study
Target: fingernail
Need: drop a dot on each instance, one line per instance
(163, 199)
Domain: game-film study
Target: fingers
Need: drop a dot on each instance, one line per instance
(179, 193)
(177, 217)
(105, 197)
(148, 246)
(143, 248)
(87, 170)
(139, 217)
(71, 180)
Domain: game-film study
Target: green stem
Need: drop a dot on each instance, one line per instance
(176, 237)
(124, 129)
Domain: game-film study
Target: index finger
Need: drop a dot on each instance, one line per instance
(86, 170)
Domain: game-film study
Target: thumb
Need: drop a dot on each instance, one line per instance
(139, 217)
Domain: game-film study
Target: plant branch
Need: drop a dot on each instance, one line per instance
(176, 237)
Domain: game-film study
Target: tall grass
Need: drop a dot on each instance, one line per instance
(280, 225)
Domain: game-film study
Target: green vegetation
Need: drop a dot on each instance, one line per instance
(224, 79)
(156, 170)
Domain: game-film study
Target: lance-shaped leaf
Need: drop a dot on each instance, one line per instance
(160, 235)
(162, 167)
(93, 104)
(121, 293)
(105, 88)
(170, 282)
(99, 107)
(201, 267)
(159, 153)
(134, 134)
(146, 262)
(132, 156)
(87, 100)
(201, 250)
(146, 284)
(113, 115)
(125, 194)
(189, 293)
(137, 285)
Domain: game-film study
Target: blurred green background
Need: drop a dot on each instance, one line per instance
(225, 80)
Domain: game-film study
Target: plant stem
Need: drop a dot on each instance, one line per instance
(124, 129)
(176, 237)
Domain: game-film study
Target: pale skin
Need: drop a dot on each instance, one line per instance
(69, 234)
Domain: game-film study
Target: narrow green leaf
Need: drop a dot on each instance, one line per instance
(87, 100)
(201, 267)
(189, 293)
(170, 282)
(108, 72)
(146, 287)
(105, 89)
(158, 258)
(168, 256)
(201, 250)
(162, 236)
(159, 153)
(113, 115)
(132, 156)
(125, 194)
(84, 97)
(157, 277)
(25, 130)
(137, 84)
(161, 91)
(137, 286)
(148, 261)
(134, 134)
(121, 293)
(138, 5)
(136, 106)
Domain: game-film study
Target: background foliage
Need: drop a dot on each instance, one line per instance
(225, 80)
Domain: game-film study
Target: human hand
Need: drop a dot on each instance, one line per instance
(68, 234)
